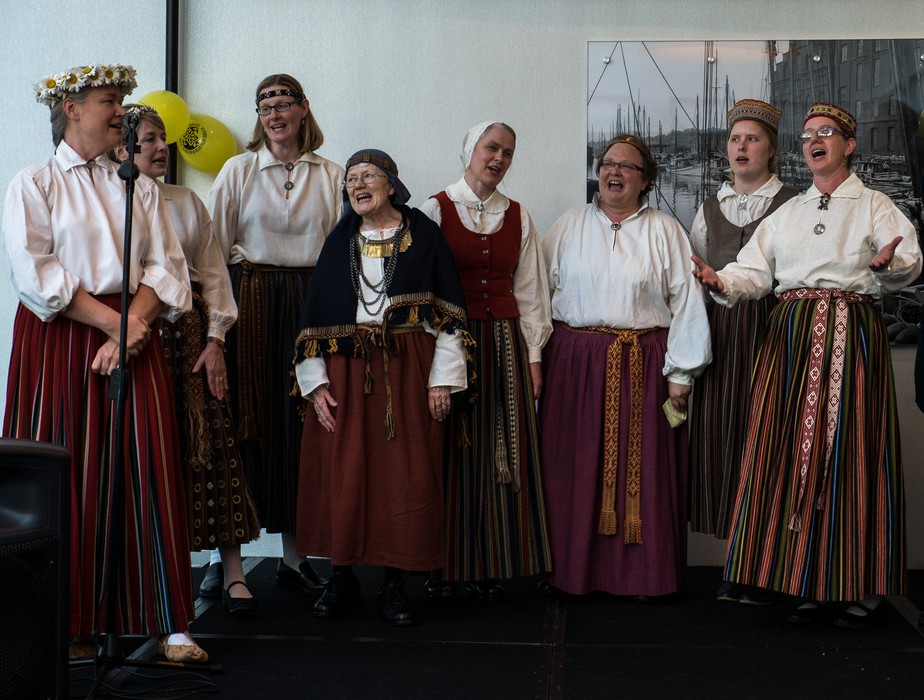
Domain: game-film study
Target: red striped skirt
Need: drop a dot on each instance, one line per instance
(53, 396)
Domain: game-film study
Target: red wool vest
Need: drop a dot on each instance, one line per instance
(486, 262)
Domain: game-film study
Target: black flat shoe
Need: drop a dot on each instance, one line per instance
(546, 588)
(758, 596)
(237, 605)
(211, 582)
(305, 579)
(487, 590)
(439, 591)
(867, 617)
(341, 597)
(730, 592)
(392, 604)
(809, 612)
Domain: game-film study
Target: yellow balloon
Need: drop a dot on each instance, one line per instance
(207, 143)
(172, 109)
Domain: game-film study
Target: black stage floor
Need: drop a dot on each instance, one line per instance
(535, 646)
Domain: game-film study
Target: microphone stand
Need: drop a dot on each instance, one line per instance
(109, 653)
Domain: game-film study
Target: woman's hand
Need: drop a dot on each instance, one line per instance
(438, 398)
(678, 394)
(707, 276)
(213, 359)
(324, 404)
(138, 333)
(107, 358)
(884, 257)
(535, 373)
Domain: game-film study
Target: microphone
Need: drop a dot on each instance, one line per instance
(130, 119)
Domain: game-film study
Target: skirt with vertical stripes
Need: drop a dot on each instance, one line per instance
(719, 413)
(261, 347)
(850, 540)
(495, 507)
(571, 420)
(53, 396)
(221, 510)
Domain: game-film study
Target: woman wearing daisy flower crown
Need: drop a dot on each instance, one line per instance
(718, 409)
(271, 210)
(62, 228)
(496, 527)
(221, 511)
(820, 506)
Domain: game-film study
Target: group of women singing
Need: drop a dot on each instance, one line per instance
(363, 376)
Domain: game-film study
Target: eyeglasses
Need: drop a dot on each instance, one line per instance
(613, 165)
(822, 131)
(367, 178)
(266, 110)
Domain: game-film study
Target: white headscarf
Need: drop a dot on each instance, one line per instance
(471, 140)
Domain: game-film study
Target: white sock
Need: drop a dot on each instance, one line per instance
(179, 639)
(214, 557)
(291, 559)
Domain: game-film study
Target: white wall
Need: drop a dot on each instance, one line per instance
(410, 77)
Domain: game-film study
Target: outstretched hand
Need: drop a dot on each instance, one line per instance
(884, 257)
(706, 275)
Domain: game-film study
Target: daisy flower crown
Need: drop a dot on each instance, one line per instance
(51, 89)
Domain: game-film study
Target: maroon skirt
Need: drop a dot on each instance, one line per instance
(365, 497)
(53, 396)
(572, 437)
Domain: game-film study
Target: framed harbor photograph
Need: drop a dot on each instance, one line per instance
(676, 96)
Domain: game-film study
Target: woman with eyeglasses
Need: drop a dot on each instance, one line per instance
(820, 507)
(383, 344)
(630, 334)
(220, 509)
(271, 209)
(718, 413)
(496, 526)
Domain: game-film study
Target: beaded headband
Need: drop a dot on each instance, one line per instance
(633, 141)
(844, 119)
(755, 110)
(299, 96)
(51, 89)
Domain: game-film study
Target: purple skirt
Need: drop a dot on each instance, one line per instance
(571, 435)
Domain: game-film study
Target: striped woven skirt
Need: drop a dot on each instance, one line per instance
(719, 413)
(53, 396)
(820, 511)
(221, 509)
(573, 426)
(495, 508)
(261, 347)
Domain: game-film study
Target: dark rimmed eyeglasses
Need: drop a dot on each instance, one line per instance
(624, 166)
(822, 131)
(266, 110)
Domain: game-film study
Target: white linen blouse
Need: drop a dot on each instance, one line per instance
(204, 258)
(256, 219)
(639, 276)
(64, 230)
(530, 283)
(785, 247)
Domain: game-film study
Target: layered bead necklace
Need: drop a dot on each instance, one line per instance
(376, 249)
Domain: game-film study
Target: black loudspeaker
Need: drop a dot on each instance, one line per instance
(34, 525)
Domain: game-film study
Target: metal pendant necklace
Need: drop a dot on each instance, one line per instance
(823, 206)
(358, 276)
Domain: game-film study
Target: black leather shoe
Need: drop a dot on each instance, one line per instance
(487, 590)
(212, 581)
(237, 605)
(393, 605)
(341, 597)
(306, 578)
(439, 591)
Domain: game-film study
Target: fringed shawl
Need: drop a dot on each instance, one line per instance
(426, 287)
